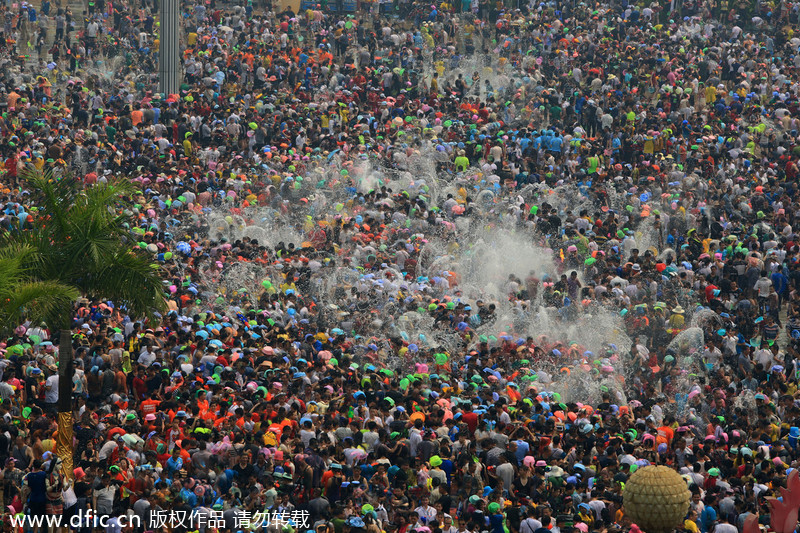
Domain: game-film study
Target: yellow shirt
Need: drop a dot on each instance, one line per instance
(286, 286)
(711, 94)
(691, 526)
(676, 321)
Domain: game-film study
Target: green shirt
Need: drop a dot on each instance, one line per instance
(338, 525)
(594, 162)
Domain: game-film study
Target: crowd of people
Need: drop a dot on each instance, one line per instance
(430, 267)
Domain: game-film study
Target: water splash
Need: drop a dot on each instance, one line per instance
(706, 318)
(688, 348)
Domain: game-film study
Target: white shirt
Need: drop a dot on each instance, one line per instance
(51, 389)
(6, 391)
(763, 285)
(764, 358)
(146, 358)
(414, 439)
(41, 332)
(597, 506)
(529, 525)
(428, 512)
(107, 449)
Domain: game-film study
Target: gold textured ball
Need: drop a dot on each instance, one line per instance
(656, 498)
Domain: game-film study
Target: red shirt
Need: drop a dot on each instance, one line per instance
(11, 166)
(139, 387)
(471, 420)
(710, 291)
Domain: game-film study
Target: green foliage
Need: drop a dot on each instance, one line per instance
(81, 241)
(22, 296)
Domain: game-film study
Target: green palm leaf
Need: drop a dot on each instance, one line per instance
(82, 241)
(23, 297)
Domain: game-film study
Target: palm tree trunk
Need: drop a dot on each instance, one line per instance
(65, 370)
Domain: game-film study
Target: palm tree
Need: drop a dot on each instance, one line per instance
(82, 240)
(23, 297)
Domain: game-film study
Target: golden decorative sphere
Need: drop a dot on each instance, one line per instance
(656, 498)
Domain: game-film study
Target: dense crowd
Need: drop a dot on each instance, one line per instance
(434, 268)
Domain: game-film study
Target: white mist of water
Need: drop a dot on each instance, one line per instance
(483, 250)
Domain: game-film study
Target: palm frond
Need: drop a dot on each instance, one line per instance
(12, 259)
(35, 301)
(129, 279)
(108, 195)
(53, 196)
(83, 241)
(23, 297)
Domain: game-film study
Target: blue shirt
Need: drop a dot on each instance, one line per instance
(522, 450)
(174, 465)
(579, 104)
(189, 497)
(780, 282)
(224, 481)
(496, 523)
(36, 482)
(447, 466)
(707, 519)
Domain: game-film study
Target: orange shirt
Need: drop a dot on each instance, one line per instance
(276, 429)
(288, 426)
(12, 98)
(149, 407)
(665, 435)
(136, 117)
(202, 405)
(325, 477)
